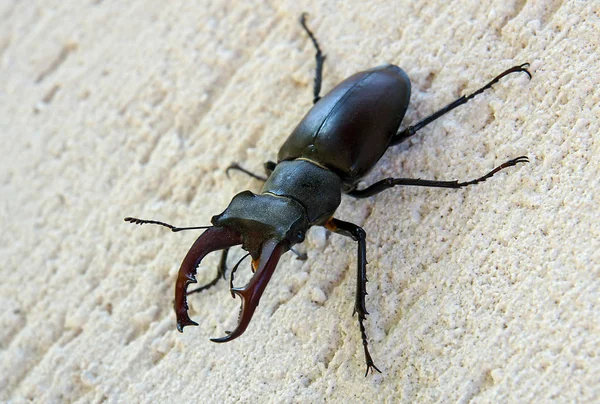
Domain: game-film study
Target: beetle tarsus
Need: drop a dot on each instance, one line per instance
(402, 135)
(369, 361)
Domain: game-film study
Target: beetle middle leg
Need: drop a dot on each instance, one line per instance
(387, 183)
(319, 57)
(411, 130)
(356, 233)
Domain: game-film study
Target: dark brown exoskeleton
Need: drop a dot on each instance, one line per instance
(338, 142)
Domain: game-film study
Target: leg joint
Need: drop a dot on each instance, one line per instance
(358, 234)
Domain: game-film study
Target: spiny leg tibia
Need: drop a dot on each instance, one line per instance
(357, 234)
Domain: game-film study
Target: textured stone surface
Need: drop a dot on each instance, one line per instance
(110, 109)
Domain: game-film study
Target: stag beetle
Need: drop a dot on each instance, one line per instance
(338, 142)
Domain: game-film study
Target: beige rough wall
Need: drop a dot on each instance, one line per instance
(108, 109)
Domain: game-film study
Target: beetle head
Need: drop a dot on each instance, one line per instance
(259, 218)
(267, 226)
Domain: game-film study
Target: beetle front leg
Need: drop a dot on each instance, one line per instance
(411, 130)
(356, 233)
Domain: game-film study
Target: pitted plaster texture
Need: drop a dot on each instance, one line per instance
(109, 109)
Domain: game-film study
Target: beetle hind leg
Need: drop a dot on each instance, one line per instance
(319, 57)
(411, 130)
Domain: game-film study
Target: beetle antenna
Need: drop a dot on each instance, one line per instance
(174, 229)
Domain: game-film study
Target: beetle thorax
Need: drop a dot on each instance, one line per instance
(317, 189)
